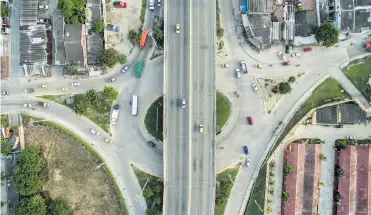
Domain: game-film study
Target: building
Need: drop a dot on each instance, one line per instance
(59, 55)
(75, 45)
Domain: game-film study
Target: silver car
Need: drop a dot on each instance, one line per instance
(255, 88)
(95, 132)
(183, 103)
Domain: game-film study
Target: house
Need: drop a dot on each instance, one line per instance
(75, 45)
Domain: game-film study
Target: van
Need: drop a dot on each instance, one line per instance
(238, 73)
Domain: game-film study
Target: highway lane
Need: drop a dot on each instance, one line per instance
(176, 125)
(203, 35)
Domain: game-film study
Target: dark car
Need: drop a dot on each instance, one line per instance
(338, 126)
(151, 144)
(287, 49)
(245, 150)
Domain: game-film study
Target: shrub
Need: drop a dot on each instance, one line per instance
(338, 197)
(98, 26)
(292, 79)
(322, 157)
(134, 37)
(34, 205)
(282, 88)
(219, 32)
(60, 207)
(340, 145)
(339, 172)
(287, 169)
(285, 196)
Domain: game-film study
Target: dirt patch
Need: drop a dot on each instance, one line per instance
(266, 85)
(71, 172)
(127, 19)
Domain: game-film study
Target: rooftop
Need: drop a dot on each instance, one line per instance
(33, 45)
(59, 55)
(29, 11)
(73, 43)
(305, 22)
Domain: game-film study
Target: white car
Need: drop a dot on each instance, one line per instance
(296, 54)
(255, 88)
(5, 92)
(107, 140)
(95, 132)
(27, 105)
(125, 69)
(75, 84)
(183, 103)
(238, 73)
(43, 7)
(177, 28)
(112, 80)
(351, 137)
(247, 162)
(282, 56)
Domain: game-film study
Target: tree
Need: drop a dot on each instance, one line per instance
(153, 211)
(340, 145)
(287, 169)
(339, 172)
(4, 9)
(159, 36)
(292, 79)
(282, 88)
(98, 26)
(147, 193)
(74, 19)
(322, 157)
(219, 32)
(80, 106)
(72, 8)
(327, 34)
(60, 207)
(92, 96)
(27, 178)
(5, 148)
(158, 188)
(134, 37)
(110, 57)
(34, 205)
(338, 197)
(285, 196)
(72, 70)
(110, 93)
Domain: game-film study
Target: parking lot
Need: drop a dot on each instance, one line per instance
(347, 113)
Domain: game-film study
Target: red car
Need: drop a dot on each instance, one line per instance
(286, 63)
(249, 120)
(307, 49)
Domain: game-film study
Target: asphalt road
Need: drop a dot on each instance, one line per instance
(176, 124)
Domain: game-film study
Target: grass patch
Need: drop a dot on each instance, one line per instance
(359, 72)
(154, 116)
(143, 11)
(153, 191)
(219, 29)
(154, 119)
(56, 128)
(329, 91)
(224, 187)
(94, 105)
(223, 110)
(4, 120)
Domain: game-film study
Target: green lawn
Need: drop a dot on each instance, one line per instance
(143, 11)
(224, 187)
(100, 116)
(359, 74)
(223, 111)
(329, 91)
(4, 120)
(153, 119)
(153, 192)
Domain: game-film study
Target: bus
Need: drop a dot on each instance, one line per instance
(143, 38)
(134, 105)
(138, 72)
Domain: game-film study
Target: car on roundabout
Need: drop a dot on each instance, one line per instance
(255, 88)
(112, 80)
(43, 86)
(245, 150)
(107, 140)
(286, 63)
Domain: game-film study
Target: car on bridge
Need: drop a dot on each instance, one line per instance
(177, 28)
(245, 150)
(4, 93)
(27, 105)
(351, 137)
(183, 103)
(281, 55)
(286, 63)
(255, 88)
(201, 128)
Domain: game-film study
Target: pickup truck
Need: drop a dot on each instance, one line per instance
(115, 114)
(243, 66)
(43, 104)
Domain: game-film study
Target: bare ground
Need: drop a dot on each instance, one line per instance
(70, 173)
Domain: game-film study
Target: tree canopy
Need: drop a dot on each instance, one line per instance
(98, 26)
(110, 57)
(34, 205)
(73, 10)
(327, 34)
(27, 178)
(282, 88)
(134, 37)
(60, 207)
(110, 93)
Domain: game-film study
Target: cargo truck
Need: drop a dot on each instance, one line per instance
(143, 38)
(43, 104)
(115, 114)
(243, 66)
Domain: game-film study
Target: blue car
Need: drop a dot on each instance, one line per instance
(246, 150)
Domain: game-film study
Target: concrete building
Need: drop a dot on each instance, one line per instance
(75, 45)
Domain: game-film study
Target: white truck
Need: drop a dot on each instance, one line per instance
(115, 114)
(243, 66)
(151, 5)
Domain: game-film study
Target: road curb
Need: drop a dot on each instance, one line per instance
(231, 111)
(145, 171)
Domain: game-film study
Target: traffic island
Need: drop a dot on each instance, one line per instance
(153, 120)
(224, 184)
(94, 105)
(152, 190)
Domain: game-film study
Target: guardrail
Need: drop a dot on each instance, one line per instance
(274, 139)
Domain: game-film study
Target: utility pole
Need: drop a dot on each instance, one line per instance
(100, 165)
(259, 206)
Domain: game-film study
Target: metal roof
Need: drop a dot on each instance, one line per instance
(29, 11)
(33, 45)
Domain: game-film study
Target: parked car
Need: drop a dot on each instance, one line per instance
(43, 7)
(351, 137)
(247, 162)
(249, 120)
(281, 55)
(112, 80)
(74, 84)
(27, 105)
(177, 28)
(296, 54)
(125, 69)
(183, 103)
(338, 126)
(43, 85)
(158, 3)
(64, 89)
(107, 140)
(288, 49)
(308, 49)
(29, 90)
(286, 63)
(245, 150)
(95, 132)
(225, 65)
(255, 88)
(259, 66)
(238, 73)
(4, 93)
(151, 144)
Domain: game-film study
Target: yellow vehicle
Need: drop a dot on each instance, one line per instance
(202, 128)
(259, 66)
(63, 89)
(44, 86)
